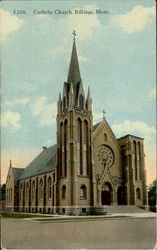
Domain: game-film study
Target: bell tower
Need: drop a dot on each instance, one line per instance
(74, 143)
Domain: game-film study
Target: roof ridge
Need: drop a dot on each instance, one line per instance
(40, 164)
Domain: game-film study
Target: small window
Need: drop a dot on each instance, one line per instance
(138, 193)
(10, 193)
(83, 192)
(41, 189)
(105, 137)
(64, 192)
(27, 191)
(49, 188)
(33, 190)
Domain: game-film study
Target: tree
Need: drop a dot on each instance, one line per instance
(152, 196)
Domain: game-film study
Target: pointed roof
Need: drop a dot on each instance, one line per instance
(43, 163)
(17, 172)
(96, 125)
(88, 94)
(74, 71)
(14, 172)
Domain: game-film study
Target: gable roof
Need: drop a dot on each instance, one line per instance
(96, 125)
(43, 163)
(99, 126)
(17, 172)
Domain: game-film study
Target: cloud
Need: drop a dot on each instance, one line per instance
(134, 20)
(17, 101)
(86, 25)
(11, 120)
(9, 23)
(149, 133)
(97, 117)
(45, 111)
(128, 126)
(152, 93)
(20, 157)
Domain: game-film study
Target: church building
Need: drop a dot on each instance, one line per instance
(88, 169)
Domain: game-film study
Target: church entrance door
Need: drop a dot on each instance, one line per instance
(106, 194)
(106, 198)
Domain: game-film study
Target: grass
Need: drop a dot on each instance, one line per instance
(20, 215)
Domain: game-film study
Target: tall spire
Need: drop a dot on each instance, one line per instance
(74, 71)
(88, 94)
(89, 100)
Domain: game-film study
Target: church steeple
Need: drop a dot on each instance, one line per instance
(73, 92)
(74, 137)
(74, 71)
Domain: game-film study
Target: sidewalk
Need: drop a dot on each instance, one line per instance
(69, 218)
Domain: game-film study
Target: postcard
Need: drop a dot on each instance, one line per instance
(78, 142)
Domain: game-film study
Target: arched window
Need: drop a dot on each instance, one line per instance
(33, 190)
(11, 194)
(65, 146)
(79, 128)
(81, 102)
(85, 132)
(138, 193)
(140, 167)
(49, 187)
(64, 192)
(83, 192)
(20, 192)
(85, 155)
(27, 191)
(41, 189)
(61, 145)
(79, 146)
(105, 137)
(135, 159)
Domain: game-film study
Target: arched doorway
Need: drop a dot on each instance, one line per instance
(120, 196)
(106, 194)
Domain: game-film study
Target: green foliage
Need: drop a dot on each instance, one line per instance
(19, 215)
(152, 196)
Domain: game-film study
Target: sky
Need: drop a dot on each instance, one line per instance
(117, 57)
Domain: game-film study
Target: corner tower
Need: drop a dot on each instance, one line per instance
(74, 140)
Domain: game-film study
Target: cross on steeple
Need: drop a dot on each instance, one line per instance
(74, 72)
(103, 112)
(74, 34)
